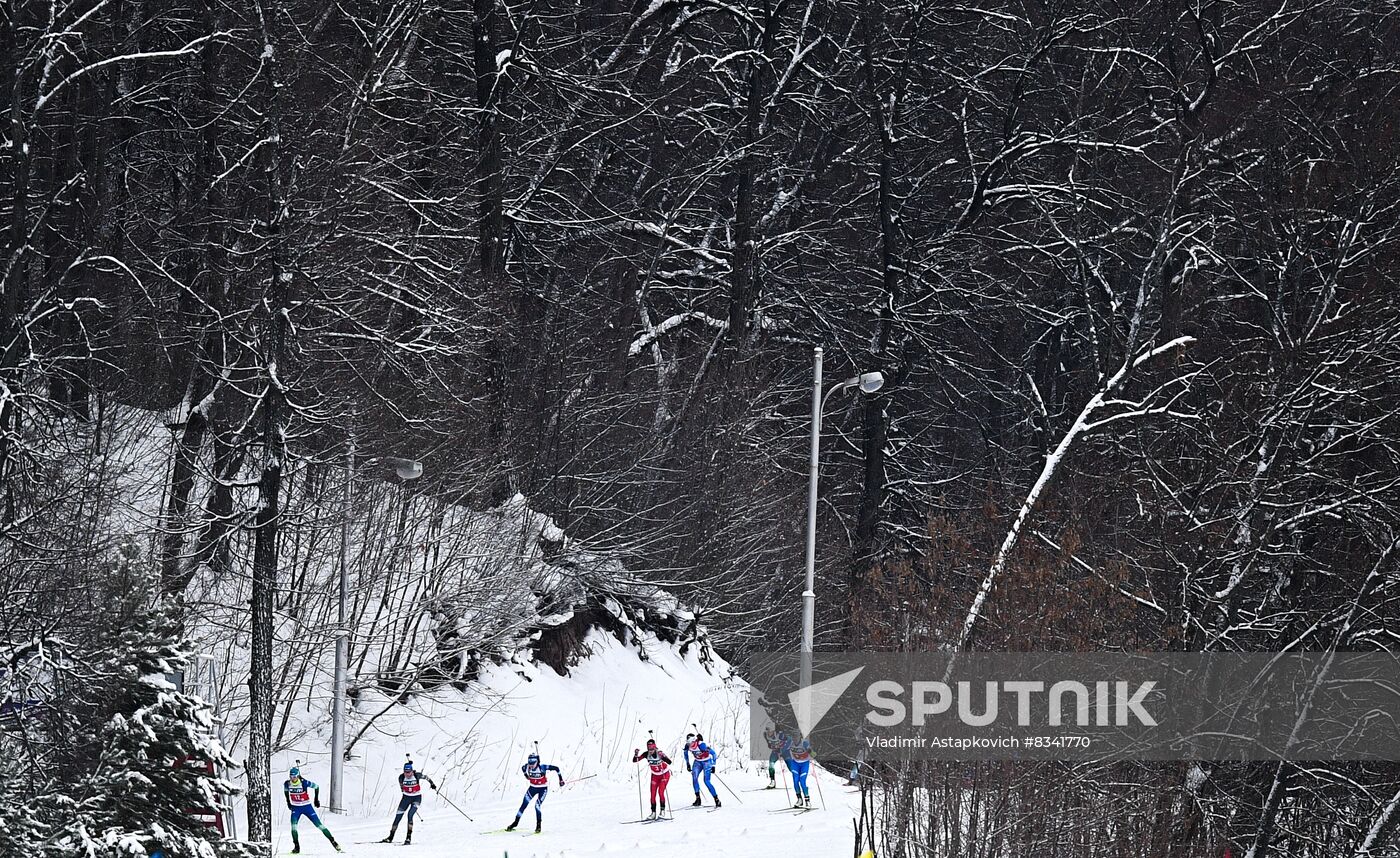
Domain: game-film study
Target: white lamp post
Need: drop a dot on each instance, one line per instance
(405, 469)
(866, 382)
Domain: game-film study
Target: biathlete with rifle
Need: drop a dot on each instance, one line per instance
(774, 739)
(537, 774)
(797, 753)
(700, 760)
(303, 796)
(411, 787)
(660, 766)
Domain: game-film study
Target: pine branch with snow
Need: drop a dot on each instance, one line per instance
(118, 761)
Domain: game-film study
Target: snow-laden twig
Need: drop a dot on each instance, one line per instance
(1383, 821)
(1053, 459)
(657, 331)
(189, 48)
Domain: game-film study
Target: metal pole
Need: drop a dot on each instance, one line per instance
(342, 642)
(809, 595)
(215, 695)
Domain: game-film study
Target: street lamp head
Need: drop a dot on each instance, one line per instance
(871, 381)
(406, 469)
(866, 382)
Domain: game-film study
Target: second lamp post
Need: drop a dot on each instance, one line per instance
(866, 382)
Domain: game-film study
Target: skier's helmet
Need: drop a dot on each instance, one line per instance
(294, 772)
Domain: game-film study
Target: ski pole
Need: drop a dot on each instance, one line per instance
(451, 805)
(641, 806)
(818, 780)
(726, 787)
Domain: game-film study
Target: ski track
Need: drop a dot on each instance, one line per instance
(589, 821)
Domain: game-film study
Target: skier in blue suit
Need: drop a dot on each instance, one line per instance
(700, 759)
(797, 753)
(537, 774)
(298, 792)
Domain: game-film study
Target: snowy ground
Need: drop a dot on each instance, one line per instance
(587, 723)
(594, 818)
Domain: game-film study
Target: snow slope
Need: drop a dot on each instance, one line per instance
(588, 724)
(475, 595)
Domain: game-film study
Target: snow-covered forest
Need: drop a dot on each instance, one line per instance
(1129, 271)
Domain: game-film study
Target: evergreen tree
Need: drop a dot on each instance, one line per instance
(118, 761)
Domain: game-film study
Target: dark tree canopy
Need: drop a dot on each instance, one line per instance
(1129, 270)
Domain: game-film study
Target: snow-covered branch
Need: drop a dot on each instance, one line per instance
(1082, 424)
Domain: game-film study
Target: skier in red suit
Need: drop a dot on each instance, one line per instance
(660, 766)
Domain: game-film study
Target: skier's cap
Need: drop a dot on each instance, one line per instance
(295, 772)
(408, 766)
(534, 758)
(651, 743)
